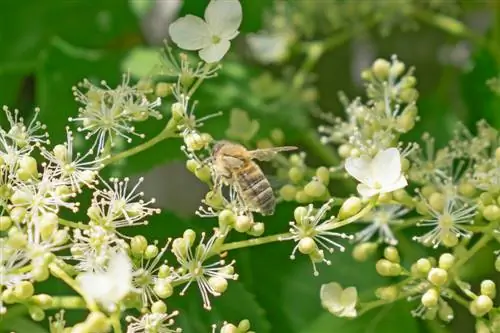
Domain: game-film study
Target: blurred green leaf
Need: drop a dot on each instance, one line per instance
(140, 7)
(20, 324)
(141, 61)
(392, 318)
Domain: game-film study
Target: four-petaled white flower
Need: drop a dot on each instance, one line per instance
(111, 286)
(382, 174)
(210, 36)
(338, 301)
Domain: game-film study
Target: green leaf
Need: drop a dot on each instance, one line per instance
(388, 319)
(141, 61)
(20, 324)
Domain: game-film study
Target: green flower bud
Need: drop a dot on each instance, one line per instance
(408, 95)
(380, 68)
(445, 311)
(437, 201)
(437, 276)
(203, 173)
(5, 223)
(226, 218)
(344, 150)
(364, 251)
(385, 198)
(302, 197)
(481, 306)
(392, 254)
(257, 229)
(36, 313)
(467, 189)
(21, 198)
(214, 199)
(219, 284)
(138, 244)
(404, 123)
(24, 290)
(243, 223)
(288, 192)
(401, 196)
(307, 245)
(446, 261)
(488, 288)
(29, 166)
(481, 327)
(388, 294)
(48, 225)
(229, 328)
(299, 214)
(386, 268)
(79, 328)
(315, 189)
(40, 273)
(43, 300)
(296, 174)
(397, 68)
(163, 89)
(17, 214)
(163, 288)
(323, 175)
(244, 325)
(430, 298)
(180, 246)
(189, 235)
(159, 307)
(449, 239)
(428, 190)
(97, 322)
(178, 112)
(8, 296)
(277, 136)
(194, 141)
(192, 165)
(61, 153)
(17, 239)
(151, 251)
(349, 208)
(486, 198)
(491, 212)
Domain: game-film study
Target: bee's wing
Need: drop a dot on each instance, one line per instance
(268, 154)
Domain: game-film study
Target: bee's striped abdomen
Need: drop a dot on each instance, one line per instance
(256, 189)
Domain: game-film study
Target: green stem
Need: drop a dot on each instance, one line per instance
(60, 273)
(74, 225)
(457, 298)
(115, 322)
(68, 302)
(167, 132)
(335, 225)
(485, 238)
(198, 82)
(313, 144)
(365, 307)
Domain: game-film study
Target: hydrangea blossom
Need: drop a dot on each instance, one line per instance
(382, 174)
(338, 301)
(211, 36)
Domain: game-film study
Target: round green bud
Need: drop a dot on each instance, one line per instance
(180, 246)
(428, 190)
(138, 244)
(94, 213)
(226, 217)
(164, 271)
(446, 261)
(192, 165)
(323, 174)
(344, 150)
(438, 276)
(159, 307)
(386, 268)
(481, 327)
(48, 225)
(481, 306)
(430, 298)
(17, 239)
(401, 195)
(163, 288)
(243, 223)
(244, 325)
(28, 165)
(214, 199)
(5, 223)
(61, 153)
(364, 251)
(203, 174)
(404, 123)
(380, 68)
(296, 160)
(8, 296)
(315, 189)
(350, 207)
(178, 112)
(385, 198)
(190, 236)
(388, 294)
(229, 328)
(486, 198)
(151, 251)
(302, 197)
(97, 322)
(40, 273)
(299, 214)
(43, 300)
(408, 95)
(24, 290)
(392, 254)
(36, 313)
(488, 288)
(437, 201)
(163, 89)
(397, 68)
(307, 245)
(288, 192)
(257, 229)
(467, 189)
(449, 239)
(277, 135)
(445, 311)
(21, 198)
(218, 284)
(423, 266)
(491, 212)
(296, 174)
(421, 208)
(405, 165)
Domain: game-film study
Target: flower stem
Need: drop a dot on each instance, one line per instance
(198, 82)
(115, 322)
(485, 238)
(68, 302)
(60, 273)
(167, 132)
(365, 307)
(74, 225)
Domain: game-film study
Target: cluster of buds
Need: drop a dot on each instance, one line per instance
(242, 327)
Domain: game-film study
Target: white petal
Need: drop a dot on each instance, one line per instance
(214, 52)
(330, 296)
(267, 48)
(349, 297)
(224, 18)
(366, 191)
(349, 312)
(386, 166)
(359, 168)
(190, 33)
(95, 285)
(400, 183)
(120, 271)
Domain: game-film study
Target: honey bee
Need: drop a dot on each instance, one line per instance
(234, 166)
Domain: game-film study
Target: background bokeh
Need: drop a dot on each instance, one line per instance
(48, 46)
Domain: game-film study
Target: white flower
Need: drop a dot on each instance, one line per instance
(338, 301)
(111, 286)
(381, 174)
(210, 36)
(268, 48)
